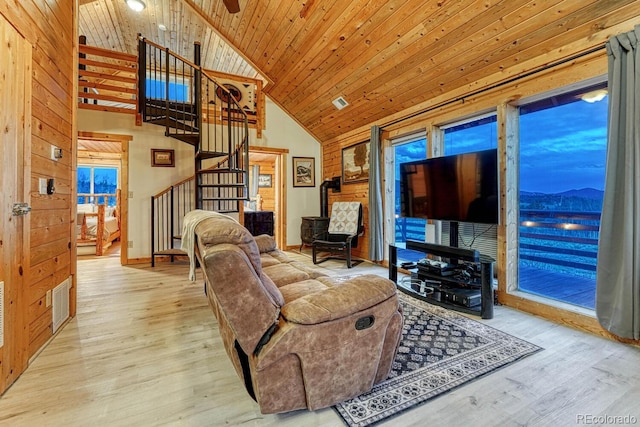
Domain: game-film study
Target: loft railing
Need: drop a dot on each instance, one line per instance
(107, 80)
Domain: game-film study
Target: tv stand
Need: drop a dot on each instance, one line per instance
(446, 289)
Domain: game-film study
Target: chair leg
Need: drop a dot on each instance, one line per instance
(348, 254)
(313, 251)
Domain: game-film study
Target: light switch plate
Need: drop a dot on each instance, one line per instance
(42, 185)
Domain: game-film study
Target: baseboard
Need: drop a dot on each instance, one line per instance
(131, 261)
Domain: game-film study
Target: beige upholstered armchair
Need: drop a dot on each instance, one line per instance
(297, 339)
(345, 225)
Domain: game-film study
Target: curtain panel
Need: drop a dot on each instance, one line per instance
(618, 270)
(376, 232)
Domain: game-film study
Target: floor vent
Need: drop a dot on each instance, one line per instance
(61, 303)
(1, 314)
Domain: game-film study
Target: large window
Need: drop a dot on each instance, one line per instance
(407, 151)
(562, 164)
(476, 134)
(97, 180)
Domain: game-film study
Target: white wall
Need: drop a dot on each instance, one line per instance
(283, 132)
(144, 181)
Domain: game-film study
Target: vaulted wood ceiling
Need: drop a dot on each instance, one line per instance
(383, 56)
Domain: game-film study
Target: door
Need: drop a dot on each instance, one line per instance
(15, 119)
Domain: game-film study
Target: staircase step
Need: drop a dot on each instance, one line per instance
(230, 185)
(219, 171)
(152, 114)
(173, 123)
(209, 154)
(226, 199)
(187, 107)
(192, 139)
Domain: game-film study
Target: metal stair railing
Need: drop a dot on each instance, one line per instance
(194, 108)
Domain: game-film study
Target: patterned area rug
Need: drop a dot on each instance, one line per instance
(440, 350)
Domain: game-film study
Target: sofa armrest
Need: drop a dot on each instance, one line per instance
(357, 294)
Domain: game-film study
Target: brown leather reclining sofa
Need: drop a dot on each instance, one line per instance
(297, 338)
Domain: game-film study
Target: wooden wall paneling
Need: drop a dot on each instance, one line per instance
(268, 193)
(302, 37)
(466, 74)
(49, 266)
(322, 50)
(51, 249)
(15, 113)
(390, 36)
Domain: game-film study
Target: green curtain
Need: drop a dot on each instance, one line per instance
(376, 229)
(618, 270)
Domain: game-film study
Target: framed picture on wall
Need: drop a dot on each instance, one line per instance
(265, 180)
(163, 158)
(304, 172)
(355, 163)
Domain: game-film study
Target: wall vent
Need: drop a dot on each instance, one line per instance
(61, 303)
(1, 314)
(340, 103)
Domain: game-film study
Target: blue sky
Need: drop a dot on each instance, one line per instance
(564, 148)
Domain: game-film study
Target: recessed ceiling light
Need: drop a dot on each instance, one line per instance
(162, 27)
(340, 103)
(136, 5)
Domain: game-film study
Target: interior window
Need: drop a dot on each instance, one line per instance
(563, 143)
(97, 180)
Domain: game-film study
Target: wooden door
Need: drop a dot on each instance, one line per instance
(15, 119)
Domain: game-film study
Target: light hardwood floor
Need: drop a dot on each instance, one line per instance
(144, 350)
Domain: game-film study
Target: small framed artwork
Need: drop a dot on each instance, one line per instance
(355, 163)
(264, 180)
(304, 172)
(163, 158)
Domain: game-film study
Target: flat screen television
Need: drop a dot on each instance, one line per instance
(462, 187)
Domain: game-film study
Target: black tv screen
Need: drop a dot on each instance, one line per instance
(463, 187)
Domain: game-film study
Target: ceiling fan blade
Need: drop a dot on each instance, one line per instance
(233, 6)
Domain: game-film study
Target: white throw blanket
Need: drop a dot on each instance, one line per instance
(189, 224)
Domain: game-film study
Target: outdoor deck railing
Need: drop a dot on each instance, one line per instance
(560, 238)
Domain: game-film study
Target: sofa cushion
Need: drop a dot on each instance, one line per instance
(356, 294)
(296, 290)
(265, 243)
(283, 274)
(268, 260)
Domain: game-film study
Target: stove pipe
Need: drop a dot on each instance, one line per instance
(333, 183)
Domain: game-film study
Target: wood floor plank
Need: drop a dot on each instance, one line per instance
(144, 350)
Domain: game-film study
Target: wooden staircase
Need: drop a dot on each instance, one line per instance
(194, 108)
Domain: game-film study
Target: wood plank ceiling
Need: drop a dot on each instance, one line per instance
(382, 56)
